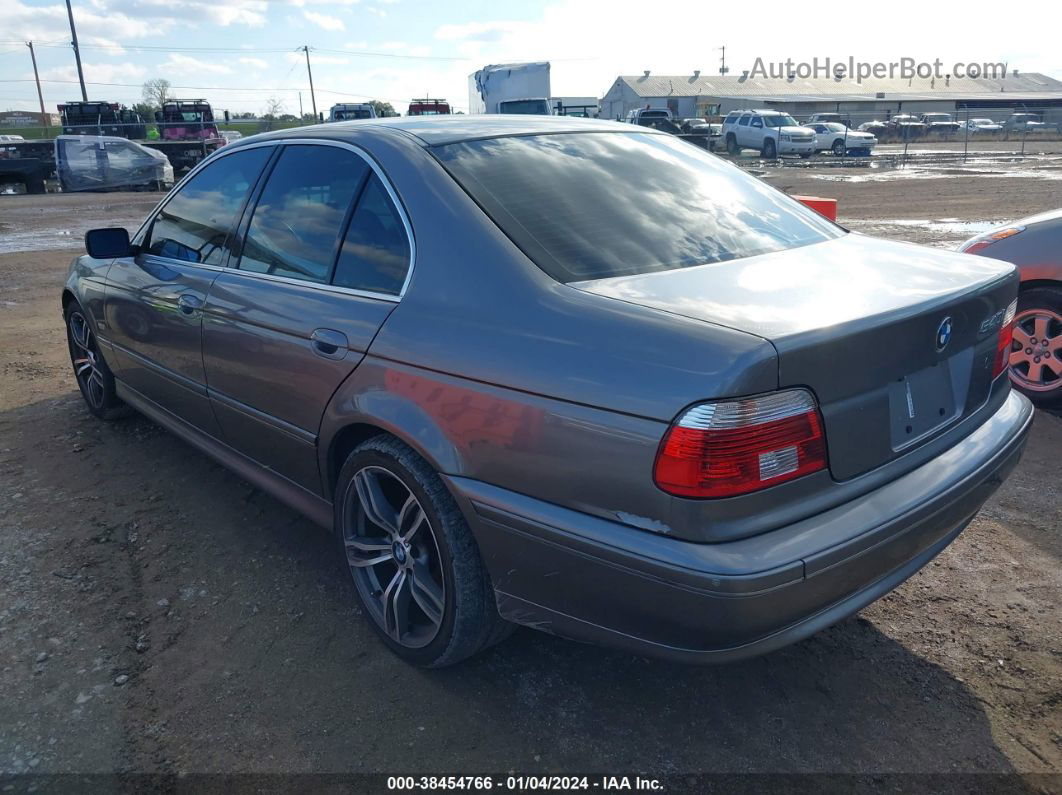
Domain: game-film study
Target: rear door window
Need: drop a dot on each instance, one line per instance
(375, 256)
(300, 214)
(194, 225)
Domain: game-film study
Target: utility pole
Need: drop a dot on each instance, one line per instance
(309, 73)
(722, 62)
(300, 106)
(77, 52)
(36, 77)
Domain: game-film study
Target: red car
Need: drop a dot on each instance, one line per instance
(1034, 244)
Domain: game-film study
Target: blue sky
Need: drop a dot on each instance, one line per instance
(241, 53)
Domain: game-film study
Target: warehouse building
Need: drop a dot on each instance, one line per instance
(700, 95)
(26, 118)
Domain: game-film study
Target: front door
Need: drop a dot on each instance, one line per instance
(154, 301)
(323, 259)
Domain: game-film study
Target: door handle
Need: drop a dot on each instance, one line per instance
(329, 343)
(189, 303)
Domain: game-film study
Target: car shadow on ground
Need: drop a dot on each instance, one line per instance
(256, 658)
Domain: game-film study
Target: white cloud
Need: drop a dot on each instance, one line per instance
(480, 31)
(49, 23)
(98, 73)
(257, 63)
(185, 65)
(324, 20)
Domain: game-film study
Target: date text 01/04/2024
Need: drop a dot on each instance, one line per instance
(516, 783)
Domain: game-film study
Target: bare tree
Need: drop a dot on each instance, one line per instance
(157, 91)
(274, 107)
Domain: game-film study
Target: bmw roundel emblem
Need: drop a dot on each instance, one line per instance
(943, 334)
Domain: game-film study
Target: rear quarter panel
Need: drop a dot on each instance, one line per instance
(493, 371)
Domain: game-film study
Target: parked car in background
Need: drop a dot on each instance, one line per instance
(1034, 244)
(1024, 123)
(841, 140)
(939, 123)
(770, 132)
(10, 139)
(876, 128)
(679, 467)
(980, 126)
(906, 126)
(827, 118)
(646, 117)
(231, 135)
(429, 107)
(347, 111)
(701, 129)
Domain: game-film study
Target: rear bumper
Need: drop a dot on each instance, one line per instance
(598, 581)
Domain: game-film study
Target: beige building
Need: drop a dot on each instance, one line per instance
(28, 118)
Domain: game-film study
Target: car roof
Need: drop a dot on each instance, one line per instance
(438, 130)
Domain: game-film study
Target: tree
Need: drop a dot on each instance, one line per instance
(146, 111)
(274, 107)
(383, 108)
(157, 91)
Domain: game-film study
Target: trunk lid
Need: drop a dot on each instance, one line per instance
(896, 341)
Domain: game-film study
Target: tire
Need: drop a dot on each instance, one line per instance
(770, 149)
(731, 146)
(416, 568)
(1036, 356)
(94, 377)
(838, 148)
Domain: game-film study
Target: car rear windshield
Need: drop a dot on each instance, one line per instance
(596, 205)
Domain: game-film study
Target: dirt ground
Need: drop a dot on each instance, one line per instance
(158, 614)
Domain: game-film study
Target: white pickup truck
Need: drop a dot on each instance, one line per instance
(771, 132)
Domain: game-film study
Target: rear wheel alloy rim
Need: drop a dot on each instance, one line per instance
(394, 557)
(85, 356)
(1036, 355)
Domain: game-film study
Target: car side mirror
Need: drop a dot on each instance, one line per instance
(108, 243)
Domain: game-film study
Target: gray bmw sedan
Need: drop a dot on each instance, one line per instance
(565, 373)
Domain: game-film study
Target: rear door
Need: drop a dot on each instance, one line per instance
(154, 301)
(322, 260)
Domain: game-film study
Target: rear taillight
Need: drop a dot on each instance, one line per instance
(984, 241)
(1006, 340)
(734, 447)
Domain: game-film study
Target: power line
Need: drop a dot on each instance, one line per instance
(238, 50)
(195, 88)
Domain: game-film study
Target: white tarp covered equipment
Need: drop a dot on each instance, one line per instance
(102, 162)
(508, 82)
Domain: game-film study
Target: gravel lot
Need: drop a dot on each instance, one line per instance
(157, 614)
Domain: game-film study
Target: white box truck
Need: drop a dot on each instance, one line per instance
(510, 88)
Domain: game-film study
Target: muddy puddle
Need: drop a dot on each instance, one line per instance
(1048, 167)
(41, 240)
(945, 233)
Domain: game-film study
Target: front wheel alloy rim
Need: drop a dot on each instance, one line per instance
(394, 557)
(1036, 355)
(85, 356)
